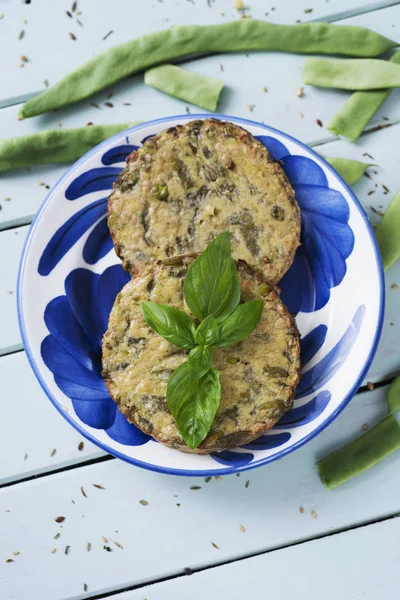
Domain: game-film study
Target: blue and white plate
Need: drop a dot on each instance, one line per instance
(70, 275)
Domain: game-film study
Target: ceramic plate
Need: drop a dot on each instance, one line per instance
(69, 277)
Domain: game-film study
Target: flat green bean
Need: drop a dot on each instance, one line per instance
(359, 109)
(350, 170)
(351, 74)
(150, 50)
(360, 455)
(388, 233)
(185, 85)
(393, 397)
(54, 145)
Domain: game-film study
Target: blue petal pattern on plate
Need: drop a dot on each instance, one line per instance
(326, 238)
(229, 458)
(118, 154)
(72, 350)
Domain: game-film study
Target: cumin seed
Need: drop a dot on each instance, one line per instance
(300, 92)
(369, 155)
(221, 66)
(26, 455)
(110, 95)
(59, 519)
(371, 192)
(247, 483)
(80, 446)
(52, 453)
(207, 479)
(108, 34)
(88, 546)
(74, 6)
(319, 122)
(53, 550)
(265, 89)
(314, 514)
(89, 124)
(68, 14)
(105, 540)
(127, 103)
(218, 477)
(385, 188)
(143, 502)
(394, 286)
(95, 105)
(364, 427)
(98, 486)
(195, 487)
(24, 58)
(9, 560)
(79, 22)
(367, 175)
(85, 587)
(21, 34)
(215, 545)
(370, 386)
(66, 551)
(308, 10)
(72, 36)
(16, 552)
(377, 212)
(57, 536)
(242, 528)
(301, 509)
(118, 544)
(109, 104)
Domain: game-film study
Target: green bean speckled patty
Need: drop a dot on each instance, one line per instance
(189, 183)
(258, 376)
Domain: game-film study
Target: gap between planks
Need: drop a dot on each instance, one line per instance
(332, 18)
(246, 556)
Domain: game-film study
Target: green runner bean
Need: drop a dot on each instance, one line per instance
(150, 50)
(350, 170)
(185, 85)
(388, 233)
(351, 74)
(359, 109)
(54, 146)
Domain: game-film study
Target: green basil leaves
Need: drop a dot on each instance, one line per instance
(212, 292)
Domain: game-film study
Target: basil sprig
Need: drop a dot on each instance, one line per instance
(212, 292)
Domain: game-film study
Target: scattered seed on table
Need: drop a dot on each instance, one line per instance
(118, 544)
(300, 92)
(73, 501)
(9, 560)
(301, 115)
(369, 156)
(79, 22)
(308, 10)
(46, 83)
(237, 474)
(394, 286)
(107, 548)
(88, 546)
(109, 95)
(218, 477)
(127, 103)
(80, 446)
(265, 89)
(371, 192)
(68, 14)
(178, 505)
(376, 211)
(89, 124)
(59, 519)
(78, 12)
(53, 550)
(319, 122)
(66, 551)
(74, 6)
(57, 536)
(72, 36)
(8, 510)
(85, 587)
(109, 104)
(242, 528)
(314, 514)
(364, 427)
(367, 175)
(385, 188)
(26, 455)
(105, 540)
(187, 571)
(95, 105)
(251, 107)
(370, 386)
(21, 34)
(1, 16)
(207, 479)
(98, 486)
(195, 487)
(301, 509)
(143, 502)
(187, 110)
(52, 453)
(108, 34)
(215, 545)
(21, 65)
(247, 483)
(24, 58)
(221, 66)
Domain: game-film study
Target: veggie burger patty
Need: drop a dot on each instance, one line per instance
(258, 375)
(189, 183)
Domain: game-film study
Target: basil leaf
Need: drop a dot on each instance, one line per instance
(173, 324)
(200, 361)
(211, 284)
(207, 332)
(240, 323)
(193, 403)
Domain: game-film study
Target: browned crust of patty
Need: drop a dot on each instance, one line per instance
(269, 269)
(249, 281)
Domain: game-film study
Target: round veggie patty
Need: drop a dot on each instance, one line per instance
(258, 376)
(189, 183)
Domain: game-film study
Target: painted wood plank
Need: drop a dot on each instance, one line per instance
(34, 437)
(359, 563)
(178, 525)
(279, 107)
(126, 19)
(371, 192)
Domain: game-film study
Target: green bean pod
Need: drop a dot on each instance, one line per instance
(350, 170)
(387, 233)
(351, 74)
(185, 85)
(54, 146)
(140, 54)
(359, 109)
(360, 455)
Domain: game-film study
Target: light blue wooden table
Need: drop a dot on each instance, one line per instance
(276, 532)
